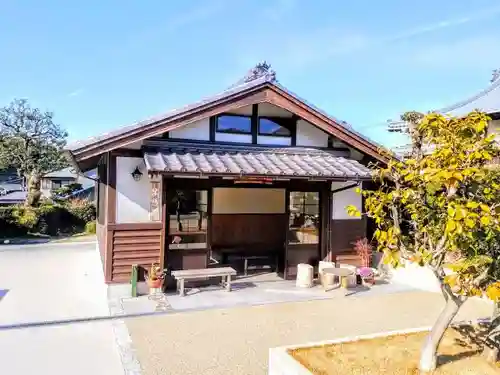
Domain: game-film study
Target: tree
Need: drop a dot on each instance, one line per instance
(30, 142)
(440, 208)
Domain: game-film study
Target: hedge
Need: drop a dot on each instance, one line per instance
(49, 218)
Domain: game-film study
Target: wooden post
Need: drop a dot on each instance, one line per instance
(134, 278)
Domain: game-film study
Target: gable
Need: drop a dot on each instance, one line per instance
(267, 94)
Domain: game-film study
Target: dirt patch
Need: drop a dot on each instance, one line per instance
(395, 355)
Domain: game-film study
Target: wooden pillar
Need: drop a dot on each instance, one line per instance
(326, 221)
(155, 197)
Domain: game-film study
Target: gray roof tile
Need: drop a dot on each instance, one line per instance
(253, 161)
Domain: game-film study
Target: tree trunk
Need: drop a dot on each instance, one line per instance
(428, 357)
(492, 342)
(34, 193)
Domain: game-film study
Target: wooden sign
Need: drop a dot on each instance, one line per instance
(254, 180)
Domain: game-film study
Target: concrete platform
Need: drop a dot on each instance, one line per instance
(249, 291)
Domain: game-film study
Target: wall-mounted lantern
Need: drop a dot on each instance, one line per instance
(136, 174)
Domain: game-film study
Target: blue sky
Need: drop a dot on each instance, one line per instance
(102, 64)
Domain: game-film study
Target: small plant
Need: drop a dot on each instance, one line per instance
(364, 250)
(365, 272)
(154, 272)
(367, 275)
(90, 227)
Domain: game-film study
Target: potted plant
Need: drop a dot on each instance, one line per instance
(367, 275)
(154, 278)
(364, 250)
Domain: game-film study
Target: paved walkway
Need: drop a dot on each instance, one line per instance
(47, 282)
(236, 340)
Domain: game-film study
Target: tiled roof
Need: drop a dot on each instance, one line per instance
(488, 101)
(289, 162)
(13, 197)
(251, 81)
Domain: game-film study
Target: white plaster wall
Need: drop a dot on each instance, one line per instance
(198, 130)
(248, 201)
(494, 127)
(415, 276)
(228, 137)
(132, 197)
(310, 135)
(279, 141)
(345, 198)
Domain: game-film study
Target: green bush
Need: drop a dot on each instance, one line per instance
(90, 227)
(49, 218)
(83, 209)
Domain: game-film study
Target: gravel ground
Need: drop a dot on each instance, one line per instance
(236, 340)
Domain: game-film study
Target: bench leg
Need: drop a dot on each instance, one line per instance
(245, 267)
(181, 288)
(228, 283)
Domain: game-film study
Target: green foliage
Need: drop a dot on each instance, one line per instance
(441, 209)
(90, 227)
(31, 143)
(48, 219)
(68, 189)
(83, 209)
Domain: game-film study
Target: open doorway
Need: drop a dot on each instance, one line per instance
(248, 229)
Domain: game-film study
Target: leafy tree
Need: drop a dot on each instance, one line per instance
(441, 209)
(31, 142)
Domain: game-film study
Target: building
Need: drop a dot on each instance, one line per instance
(12, 189)
(487, 101)
(254, 170)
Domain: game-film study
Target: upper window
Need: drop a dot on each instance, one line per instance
(234, 124)
(276, 126)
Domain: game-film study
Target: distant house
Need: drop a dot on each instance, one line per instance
(13, 191)
(63, 177)
(487, 100)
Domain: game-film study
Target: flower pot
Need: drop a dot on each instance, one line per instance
(368, 281)
(154, 284)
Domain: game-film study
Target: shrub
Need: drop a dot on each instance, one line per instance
(90, 227)
(83, 209)
(49, 218)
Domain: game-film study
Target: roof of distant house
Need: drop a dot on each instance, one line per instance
(67, 172)
(487, 100)
(13, 197)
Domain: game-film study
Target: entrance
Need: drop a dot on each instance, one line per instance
(303, 235)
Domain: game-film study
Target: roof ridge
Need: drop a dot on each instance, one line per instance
(493, 86)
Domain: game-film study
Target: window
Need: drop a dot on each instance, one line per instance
(234, 124)
(304, 218)
(187, 210)
(56, 184)
(274, 126)
(46, 183)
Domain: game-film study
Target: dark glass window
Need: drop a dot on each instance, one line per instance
(234, 124)
(304, 218)
(276, 126)
(187, 211)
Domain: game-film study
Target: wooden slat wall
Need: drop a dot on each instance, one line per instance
(134, 244)
(343, 235)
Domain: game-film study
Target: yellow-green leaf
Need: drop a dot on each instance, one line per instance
(470, 223)
(485, 220)
(472, 205)
(484, 207)
(451, 226)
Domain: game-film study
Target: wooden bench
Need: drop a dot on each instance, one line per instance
(224, 272)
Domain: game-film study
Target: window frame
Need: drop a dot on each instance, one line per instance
(226, 131)
(289, 122)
